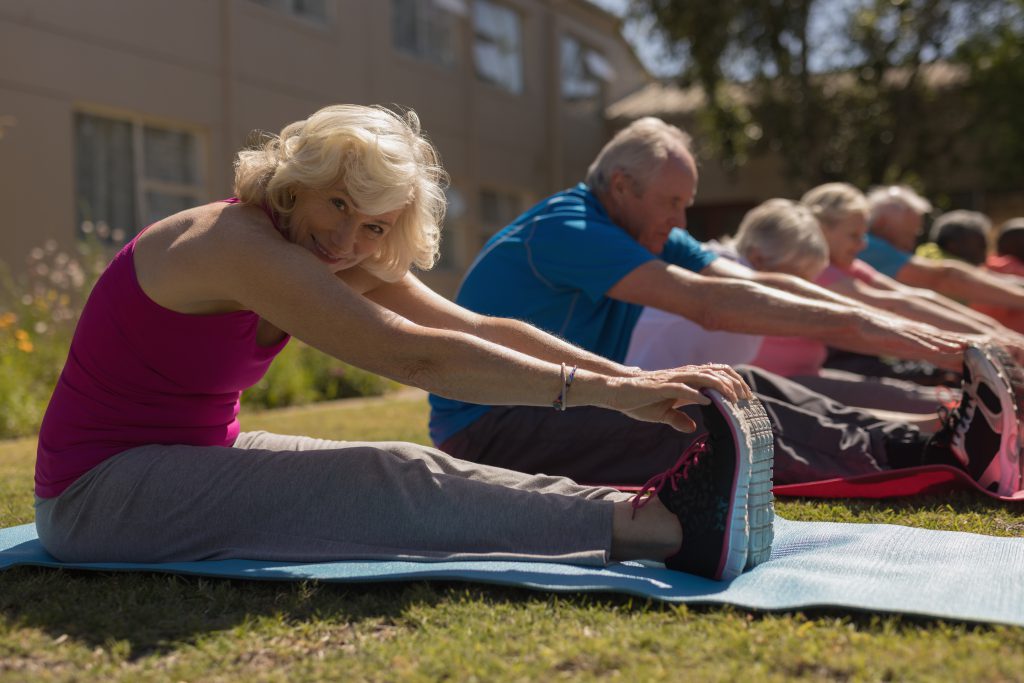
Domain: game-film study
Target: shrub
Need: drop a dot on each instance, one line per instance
(301, 375)
(39, 309)
(38, 313)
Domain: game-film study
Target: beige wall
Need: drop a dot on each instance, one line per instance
(222, 68)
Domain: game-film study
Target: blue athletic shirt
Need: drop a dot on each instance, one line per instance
(884, 257)
(551, 267)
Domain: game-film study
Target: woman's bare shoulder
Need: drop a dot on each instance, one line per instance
(179, 260)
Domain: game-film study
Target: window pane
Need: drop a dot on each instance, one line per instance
(425, 29)
(104, 176)
(310, 9)
(161, 205)
(315, 10)
(497, 48)
(170, 155)
(497, 210)
(577, 81)
(404, 19)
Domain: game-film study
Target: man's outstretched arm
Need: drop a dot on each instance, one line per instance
(961, 281)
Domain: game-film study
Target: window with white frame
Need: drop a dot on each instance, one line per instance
(584, 71)
(428, 29)
(498, 45)
(312, 10)
(130, 173)
(498, 208)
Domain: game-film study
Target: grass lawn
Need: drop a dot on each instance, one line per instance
(85, 626)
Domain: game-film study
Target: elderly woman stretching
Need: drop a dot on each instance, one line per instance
(140, 456)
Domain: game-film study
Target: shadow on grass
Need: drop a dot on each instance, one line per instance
(155, 614)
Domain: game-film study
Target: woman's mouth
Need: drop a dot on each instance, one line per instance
(323, 254)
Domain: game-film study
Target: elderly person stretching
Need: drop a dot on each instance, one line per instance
(584, 262)
(140, 456)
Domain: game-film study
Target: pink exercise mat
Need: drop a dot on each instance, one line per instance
(911, 481)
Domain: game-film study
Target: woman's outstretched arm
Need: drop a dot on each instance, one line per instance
(289, 287)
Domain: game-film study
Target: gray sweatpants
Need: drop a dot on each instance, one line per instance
(300, 499)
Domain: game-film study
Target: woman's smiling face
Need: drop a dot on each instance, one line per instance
(846, 238)
(329, 225)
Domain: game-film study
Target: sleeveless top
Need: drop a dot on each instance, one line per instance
(138, 373)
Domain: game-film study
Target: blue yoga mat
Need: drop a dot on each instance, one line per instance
(864, 567)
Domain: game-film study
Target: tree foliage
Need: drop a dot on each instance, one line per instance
(868, 91)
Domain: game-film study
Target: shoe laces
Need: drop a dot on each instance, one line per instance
(681, 470)
(947, 398)
(957, 419)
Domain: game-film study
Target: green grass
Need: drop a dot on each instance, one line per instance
(84, 626)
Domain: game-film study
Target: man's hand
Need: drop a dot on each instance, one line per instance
(888, 335)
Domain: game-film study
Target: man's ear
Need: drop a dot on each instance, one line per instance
(620, 183)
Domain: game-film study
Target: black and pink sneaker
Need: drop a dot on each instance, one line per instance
(750, 430)
(715, 490)
(983, 431)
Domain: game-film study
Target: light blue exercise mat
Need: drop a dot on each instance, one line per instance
(865, 567)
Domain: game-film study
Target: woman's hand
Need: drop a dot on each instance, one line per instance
(655, 396)
(716, 376)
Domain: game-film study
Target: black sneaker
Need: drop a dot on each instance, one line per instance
(707, 489)
(982, 432)
(748, 427)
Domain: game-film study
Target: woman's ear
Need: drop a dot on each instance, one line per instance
(756, 259)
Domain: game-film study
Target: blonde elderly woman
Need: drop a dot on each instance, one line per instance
(140, 456)
(843, 212)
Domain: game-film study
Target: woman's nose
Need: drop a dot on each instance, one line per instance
(344, 236)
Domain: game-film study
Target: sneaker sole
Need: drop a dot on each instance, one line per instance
(752, 435)
(1014, 377)
(994, 371)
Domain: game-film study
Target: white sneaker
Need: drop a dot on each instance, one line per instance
(984, 427)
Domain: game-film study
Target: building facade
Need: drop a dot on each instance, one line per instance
(114, 113)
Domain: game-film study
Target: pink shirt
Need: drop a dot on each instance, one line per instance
(1012, 318)
(138, 373)
(800, 356)
(859, 270)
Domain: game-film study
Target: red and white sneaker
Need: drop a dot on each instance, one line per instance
(983, 431)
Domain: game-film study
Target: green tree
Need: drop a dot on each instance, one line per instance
(868, 91)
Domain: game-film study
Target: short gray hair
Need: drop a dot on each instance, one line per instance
(637, 150)
(882, 199)
(782, 231)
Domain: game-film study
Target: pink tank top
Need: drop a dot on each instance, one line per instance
(138, 373)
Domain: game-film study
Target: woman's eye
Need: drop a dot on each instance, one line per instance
(376, 230)
(339, 203)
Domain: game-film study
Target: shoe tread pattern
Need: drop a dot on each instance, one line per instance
(756, 430)
(1013, 377)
